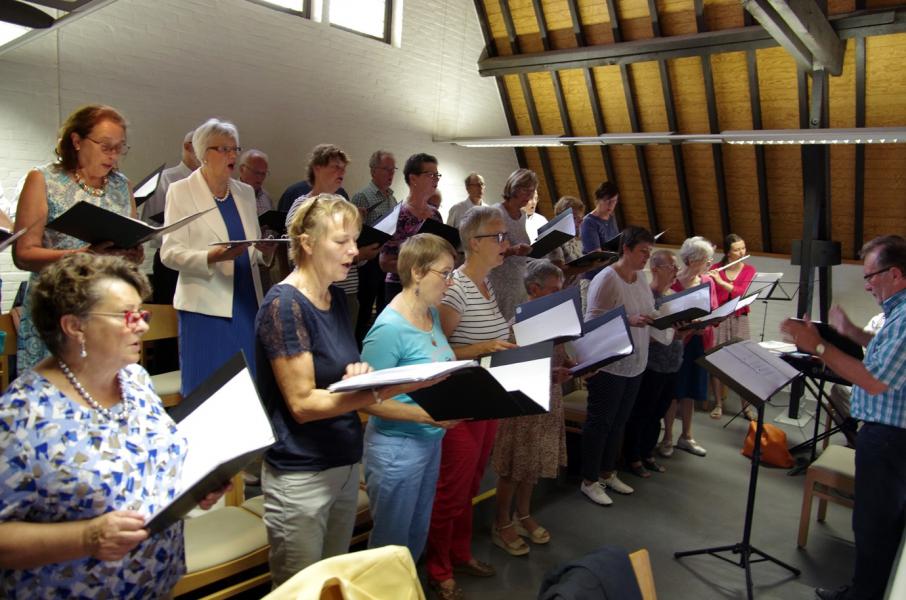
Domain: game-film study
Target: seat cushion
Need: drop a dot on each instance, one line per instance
(167, 383)
(222, 535)
(837, 459)
(255, 505)
(576, 401)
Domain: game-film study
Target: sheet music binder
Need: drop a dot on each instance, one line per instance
(275, 220)
(474, 393)
(700, 310)
(145, 188)
(399, 375)
(231, 464)
(449, 233)
(595, 360)
(537, 307)
(614, 243)
(551, 235)
(93, 224)
(837, 339)
(7, 237)
(722, 312)
(712, 362)
(594, 257)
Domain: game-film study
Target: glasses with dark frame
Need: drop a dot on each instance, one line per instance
(499, 236)
(130, 317)
(226, 149)
(878, 272)
(121, 149)
(432, 174)
(446, 275)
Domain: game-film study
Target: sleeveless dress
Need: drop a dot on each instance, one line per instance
(63, 192)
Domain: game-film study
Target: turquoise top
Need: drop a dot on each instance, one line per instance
(395, 342)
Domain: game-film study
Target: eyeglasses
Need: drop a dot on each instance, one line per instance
(226, 149)
(878, 272)
(388, 169)
(431, 174)
(120, 149)
(474, 183)
(255, 172)
(499, 236)
(447, 275)
(131, 317)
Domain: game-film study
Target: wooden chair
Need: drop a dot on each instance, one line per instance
(225, 543)
(830, 478)
(164, 325)
(641, 566)
(8, 352)
(575, 406)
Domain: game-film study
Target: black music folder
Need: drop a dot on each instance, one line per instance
(554, 234)
(511, 383)
(687, 305)
(613, 244)
(145, 188)
(226, 428)
(275, 220)
(7, 237)
(722, 312)
(449, 233)
(753, 372)
(93, 224)
(605, 339)
(604, 257)
(837, 339)
(556, 317)
(382, 231)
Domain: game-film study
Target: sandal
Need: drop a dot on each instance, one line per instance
(517, 547)
(639, 470)
(652, 465)
(717, 412)
(539, 536)
(451, 593)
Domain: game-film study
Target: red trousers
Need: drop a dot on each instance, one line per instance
(464, 456)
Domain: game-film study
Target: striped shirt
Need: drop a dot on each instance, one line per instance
(480, 317)
(886, 361)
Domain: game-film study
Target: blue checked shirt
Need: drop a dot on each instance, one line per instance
(886, 360)
(376, 205)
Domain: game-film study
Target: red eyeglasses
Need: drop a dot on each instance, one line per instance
(131, 317)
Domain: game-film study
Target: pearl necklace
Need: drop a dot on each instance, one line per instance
(97, 192)
(225, 196)
(87, 397)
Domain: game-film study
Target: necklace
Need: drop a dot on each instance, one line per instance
(97, 192)
(86, 396)
(225, 196)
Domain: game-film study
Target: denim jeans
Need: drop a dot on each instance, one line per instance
(880, 508)
(401, 477)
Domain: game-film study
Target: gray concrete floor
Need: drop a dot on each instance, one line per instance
(698, 502)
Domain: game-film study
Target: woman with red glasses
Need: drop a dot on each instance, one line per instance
(86, 447)
(91, 143)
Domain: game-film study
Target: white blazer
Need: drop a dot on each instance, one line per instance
(204, 288)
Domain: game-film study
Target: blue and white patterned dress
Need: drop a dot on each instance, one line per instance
(61, 461)
(63, 192)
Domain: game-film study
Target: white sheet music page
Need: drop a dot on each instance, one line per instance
(598, 344)
(698, 299)
(388, 223)
(757, 369)
(565, 225)
(230, 423)
(532, 377)
(395, 375)
(763, 283)
(555, 322)
(724, 310)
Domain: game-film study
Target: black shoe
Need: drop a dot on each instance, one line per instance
(840, 593)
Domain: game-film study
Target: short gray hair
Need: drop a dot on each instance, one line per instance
(472, 222)
(471, 176)
(188, 137)
(539, 271)
(252, 153)
(661, 257)
(695, 249)
(524, 179)
(209, 129)
(376, 157)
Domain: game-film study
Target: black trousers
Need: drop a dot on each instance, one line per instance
(644, 426)
(610, 400)
(371, 293)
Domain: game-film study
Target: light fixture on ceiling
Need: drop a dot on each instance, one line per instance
(21, 22)
(798, 137)
(514, 141)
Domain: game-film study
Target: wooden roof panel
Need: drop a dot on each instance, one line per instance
(779, 92)
(649, 96)
(610, 96)
(689, 95)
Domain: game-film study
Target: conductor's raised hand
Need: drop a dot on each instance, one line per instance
(839, 320)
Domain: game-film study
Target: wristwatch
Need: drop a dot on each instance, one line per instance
(820, 349)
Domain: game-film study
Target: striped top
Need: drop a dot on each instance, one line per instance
(480, 317)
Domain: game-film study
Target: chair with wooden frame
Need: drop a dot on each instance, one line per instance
(641, 566)
(164, 325)
(8, 352)
(830, 478)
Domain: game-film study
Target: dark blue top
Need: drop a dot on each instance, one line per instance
(300, 188)
(245, 301)
(594, 233)
(287, 325)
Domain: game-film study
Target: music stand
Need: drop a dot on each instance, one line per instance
(744, 548)
(768, 287)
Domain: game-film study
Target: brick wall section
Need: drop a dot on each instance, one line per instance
(288, 83)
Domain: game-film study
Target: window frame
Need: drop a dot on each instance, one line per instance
(388, 24)
(305, 13)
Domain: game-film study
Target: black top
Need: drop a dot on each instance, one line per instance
(300, 188)
(288, 325)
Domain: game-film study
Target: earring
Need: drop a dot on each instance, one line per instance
(82, 352)
(417, 291)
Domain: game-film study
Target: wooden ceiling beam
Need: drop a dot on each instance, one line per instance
(859, 188)
(761, 173)
(867, 23)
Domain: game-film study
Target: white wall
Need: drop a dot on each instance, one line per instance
(288, 84)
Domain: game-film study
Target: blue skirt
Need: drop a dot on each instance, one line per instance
(206, 343)
(692, 380)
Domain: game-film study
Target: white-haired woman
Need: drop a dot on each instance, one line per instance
(696, 254)
(219, 288)
(507, 278)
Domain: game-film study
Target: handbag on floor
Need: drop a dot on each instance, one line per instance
(774, 451)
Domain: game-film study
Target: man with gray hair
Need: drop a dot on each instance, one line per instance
(377, 201)
(475, 191)
(253, 171)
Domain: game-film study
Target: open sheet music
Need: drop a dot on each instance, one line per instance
(554, 317)
(398, 375)
(751, 371)
(605, 339)
(764, 284)
(449, 233)
(723, 311)
(226, 427)
(147, 186)
(687, 305)
(554, 234)
(381, 231)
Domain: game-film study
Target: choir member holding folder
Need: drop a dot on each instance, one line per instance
(612, 390)
(402, 441)
(89, 147)
(305, 342)
(732, 281)
(531, 447)
(507, 278)
(696, 254)
(73, 501)
(219, 287)
(474, 326)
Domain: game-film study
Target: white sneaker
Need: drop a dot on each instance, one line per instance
(665, 449)
(614, 483)
(595, 492)
(690, 446)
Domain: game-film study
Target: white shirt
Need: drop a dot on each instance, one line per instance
(532, 223)
(458, 210)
